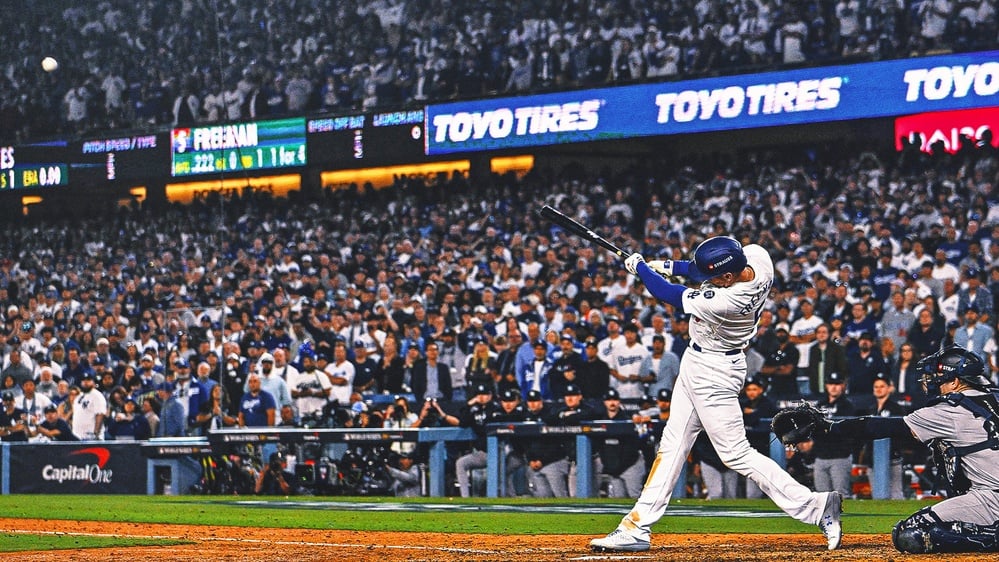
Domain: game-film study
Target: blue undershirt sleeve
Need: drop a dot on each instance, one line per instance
(660, 288)
(681, 267)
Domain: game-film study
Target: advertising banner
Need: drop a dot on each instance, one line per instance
(77, 468)
(793, 97)
(948, 127)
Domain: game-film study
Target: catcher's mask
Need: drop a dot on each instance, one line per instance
(953, 362)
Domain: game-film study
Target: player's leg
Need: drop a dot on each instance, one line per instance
(957, 524)
(514, 466)
(822, 474)
(464, 465)
(677, 439)
(633, 478)
(616, 487)
(538, 484)
(842, 470)
(753, 492)
(712, 478)
(719, 411)
(557, 475)
(730, 484)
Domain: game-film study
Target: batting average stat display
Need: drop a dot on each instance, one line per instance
(258, 145)
(371, 139)
(33, 166)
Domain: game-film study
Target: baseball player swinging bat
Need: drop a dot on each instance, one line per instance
(574, 227)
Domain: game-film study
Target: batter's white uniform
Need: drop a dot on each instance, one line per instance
(706, 397)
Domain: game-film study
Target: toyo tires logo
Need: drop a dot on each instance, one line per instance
(93, 473)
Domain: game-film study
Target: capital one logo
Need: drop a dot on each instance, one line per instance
(88, 473)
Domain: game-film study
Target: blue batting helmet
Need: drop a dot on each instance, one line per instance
(950, 363)
(717, 256)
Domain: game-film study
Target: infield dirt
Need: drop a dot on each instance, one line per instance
(260, 544)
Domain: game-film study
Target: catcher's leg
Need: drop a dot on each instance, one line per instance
(924, 532)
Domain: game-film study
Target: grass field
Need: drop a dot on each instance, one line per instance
(258, 529)
(478, 515)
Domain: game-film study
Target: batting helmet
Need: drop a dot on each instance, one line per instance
(950, 363)
(717, 256)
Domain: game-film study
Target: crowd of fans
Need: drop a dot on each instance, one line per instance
(259, 311)
(135, 64)
(457, 305)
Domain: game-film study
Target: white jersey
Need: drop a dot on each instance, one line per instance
(803, 327)
(85, 410)
(628, 362)
(316, 380)
(609, 347)
(725, 318)
(341, 392)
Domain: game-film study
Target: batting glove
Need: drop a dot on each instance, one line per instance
(631, 264)
(662, 267)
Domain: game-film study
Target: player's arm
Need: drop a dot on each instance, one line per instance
(659, 287)
(870, 427)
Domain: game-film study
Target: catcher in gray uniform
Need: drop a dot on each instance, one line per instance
(961, 424)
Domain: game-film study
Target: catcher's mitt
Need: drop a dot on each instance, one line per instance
(798, 424)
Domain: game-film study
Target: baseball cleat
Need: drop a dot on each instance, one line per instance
(830, 522)
(619, 541)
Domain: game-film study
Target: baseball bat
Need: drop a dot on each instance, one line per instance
(574, 227)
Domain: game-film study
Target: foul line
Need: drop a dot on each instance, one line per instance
(259, 541)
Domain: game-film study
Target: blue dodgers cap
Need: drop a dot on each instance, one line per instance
(167, 386)
(716, 256)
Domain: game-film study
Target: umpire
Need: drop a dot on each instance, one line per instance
(961, 425)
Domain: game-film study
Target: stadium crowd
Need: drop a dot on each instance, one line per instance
(249, 310)
(252, 310)
(206, 61)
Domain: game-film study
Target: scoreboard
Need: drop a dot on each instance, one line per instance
(354, 141)
(369, 139)
(134, 158)
(249, 146)
(33, 166)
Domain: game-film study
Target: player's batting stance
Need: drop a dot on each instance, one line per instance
(724, 312)
(961, 425)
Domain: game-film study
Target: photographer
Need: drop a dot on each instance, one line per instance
(432, 415)
(274, 480)
(397, 415)
(405, 476)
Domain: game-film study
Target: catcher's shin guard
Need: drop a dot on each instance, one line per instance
(925, 533)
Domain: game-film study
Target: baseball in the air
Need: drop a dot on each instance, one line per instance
(49, 64)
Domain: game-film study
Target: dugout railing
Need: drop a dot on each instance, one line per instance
(106, 466)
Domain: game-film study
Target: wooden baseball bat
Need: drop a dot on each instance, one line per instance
(574, 227)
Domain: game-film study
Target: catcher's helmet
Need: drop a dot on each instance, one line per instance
(950, 363)
(717, 256)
